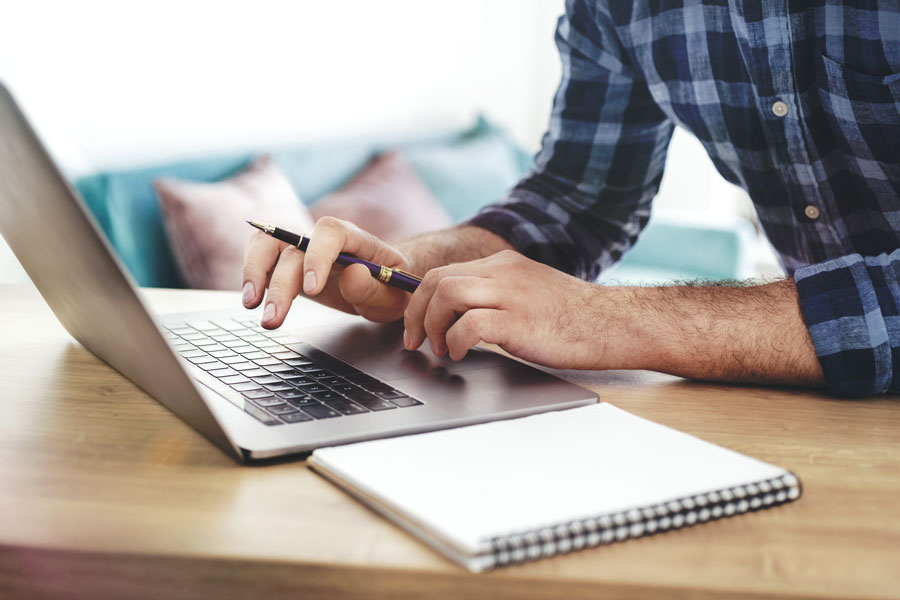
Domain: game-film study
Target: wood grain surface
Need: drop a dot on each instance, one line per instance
(107, 494)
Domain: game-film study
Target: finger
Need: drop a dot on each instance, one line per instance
(452, 298)
(476, 325)
(260, 258)
(332, 236)
(414, 316)
(284, 286)
(369, 297)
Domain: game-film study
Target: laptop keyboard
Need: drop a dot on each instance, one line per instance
(280, 384)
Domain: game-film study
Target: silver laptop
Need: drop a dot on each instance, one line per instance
(324, 378)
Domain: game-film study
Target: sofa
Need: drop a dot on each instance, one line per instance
(463, 169)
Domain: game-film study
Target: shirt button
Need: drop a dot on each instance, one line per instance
(812, 212)
(779, 109)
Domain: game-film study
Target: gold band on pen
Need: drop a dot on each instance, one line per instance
(385, 274)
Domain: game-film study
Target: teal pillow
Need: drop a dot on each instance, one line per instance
(477, 168)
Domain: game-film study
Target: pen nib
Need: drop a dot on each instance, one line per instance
(259, 226)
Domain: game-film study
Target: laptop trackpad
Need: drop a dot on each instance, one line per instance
(378, 350)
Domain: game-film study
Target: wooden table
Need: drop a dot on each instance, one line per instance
(104, 493)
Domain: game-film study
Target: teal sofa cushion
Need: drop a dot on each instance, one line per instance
(686, 250)
(476, 169)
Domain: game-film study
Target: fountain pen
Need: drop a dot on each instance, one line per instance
(394, 277)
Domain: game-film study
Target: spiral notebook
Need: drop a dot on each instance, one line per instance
(524, 489)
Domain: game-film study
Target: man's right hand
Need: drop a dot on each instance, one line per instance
(286, 271)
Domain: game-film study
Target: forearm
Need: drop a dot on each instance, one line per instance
(753, 334)
(454, 245)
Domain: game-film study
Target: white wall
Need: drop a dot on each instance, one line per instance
(122, 83)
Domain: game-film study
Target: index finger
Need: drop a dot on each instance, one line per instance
(259, 262)
(329, 238)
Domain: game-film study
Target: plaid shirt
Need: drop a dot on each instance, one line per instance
(797, 103)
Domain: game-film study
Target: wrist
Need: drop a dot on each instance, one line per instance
(621, 333)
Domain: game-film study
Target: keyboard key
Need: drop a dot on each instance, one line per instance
(321, 412)
(257, 394)
(192, 352)
(245, 387)
(285, 339)
(376, 386)
(234, 343)
(181, 330)
(244, 348)
(199, 360)
(268, 348)
(296, 417)
(279, 368)
(234, 380)
(222, 337)
(303, 402)
(282, 409)
(224, 353)
(359, 378)
(265, 361)
(287, 354)
(373, 402)
(261, 415)
(253, 338)
(227, 324)
(346, 388)
(294, 374)
(344, 406)
(291, 394)
(389, 394)
(270, 402)
(323, 395)
(194, 337)
(232, 360)
(265, 379)
(405, 401)
(310, 388)
(215, 347)
(202, 325)
(332, 381)
(220, 373)
(295, 362)
(212, 366)
(242, 366)
(278, 387)
(318, 374)
(256, 372)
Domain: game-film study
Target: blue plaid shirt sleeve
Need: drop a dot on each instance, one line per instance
(850, 305)
(588, 196)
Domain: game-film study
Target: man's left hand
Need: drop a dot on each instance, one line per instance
(528, 309)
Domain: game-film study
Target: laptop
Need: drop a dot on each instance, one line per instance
(324, 378)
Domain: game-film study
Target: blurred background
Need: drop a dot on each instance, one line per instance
(116, 86)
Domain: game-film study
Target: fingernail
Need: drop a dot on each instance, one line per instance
(406, 339)
(249, 292)
(269, 313)
(309, 282)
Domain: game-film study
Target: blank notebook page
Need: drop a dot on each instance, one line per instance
(474, 483)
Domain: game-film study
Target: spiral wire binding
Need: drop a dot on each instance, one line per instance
(634, 523)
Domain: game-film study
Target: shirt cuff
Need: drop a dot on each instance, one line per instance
(851, 313)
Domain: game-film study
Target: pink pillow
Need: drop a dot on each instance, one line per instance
(205, 221)
(386, 199)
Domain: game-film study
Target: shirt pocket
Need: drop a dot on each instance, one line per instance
(863, 113)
